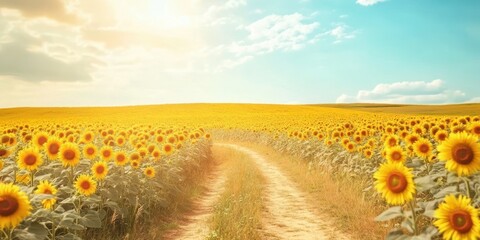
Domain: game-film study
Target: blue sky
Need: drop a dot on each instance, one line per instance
(124, 52)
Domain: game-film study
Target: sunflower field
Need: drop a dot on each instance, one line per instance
(424, 169)
(65, 179)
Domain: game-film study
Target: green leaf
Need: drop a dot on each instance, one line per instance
(92, 220)
(446, 191)
(33, 232)
(424, 183)
(389, 214)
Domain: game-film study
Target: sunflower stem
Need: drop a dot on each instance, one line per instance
(32, 175)
(4, 233)
(414, 216)
(72, 173)
(467, 187)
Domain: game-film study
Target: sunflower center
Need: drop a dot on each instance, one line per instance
(397, 182)
(106, 153)
(149, 172)
(462, 154)
(90, 151)
(47, 191)
(3, 152)
(168, 148)
(8, 206)
(120, 158)
(42, 140)
(461, 221)
(100, 169)
(442, 137)
(424, 148)
(5, 139)
(88, 137)
(396, 156)
(476, 130)
(392, 142)
(69, 154)
(85, 185)
(30, 159)
(53, 149)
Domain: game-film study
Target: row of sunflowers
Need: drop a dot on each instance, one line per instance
(77, 181)
(426, 168)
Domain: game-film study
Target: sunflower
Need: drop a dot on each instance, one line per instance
(457, 218)
(40, 138)
(391, 141)
(159, 138)
(395, 182)
(4, 152)
(172, 139)
(90, 151)
(45, 187)
(120, 141)
(14, 206)
(88, 137)
(350, 147)
(134, 156)
(412, 138)
(423, 148)
(135, 163)
(106, 153)
(149, 172)
(462, 153)
(100, 170)
(156, 154)
(85, 185)
(52, 147)
(167, 148)
(69, 154)
(368, 153)
(29, 159)
(441, 135)
(120, 158)
(395, 154)
(5, 139)
(475, 128)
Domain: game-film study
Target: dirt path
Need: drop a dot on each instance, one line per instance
(195, 225)
(287, 214)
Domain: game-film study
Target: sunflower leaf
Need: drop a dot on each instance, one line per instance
(389, 214)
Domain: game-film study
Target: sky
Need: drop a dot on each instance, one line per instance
(136, 52)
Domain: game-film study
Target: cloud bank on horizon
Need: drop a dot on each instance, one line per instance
(122, 52)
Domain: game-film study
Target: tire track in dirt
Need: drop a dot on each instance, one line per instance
(195, 225)
(287, 214)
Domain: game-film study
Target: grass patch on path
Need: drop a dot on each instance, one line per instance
(238, 213)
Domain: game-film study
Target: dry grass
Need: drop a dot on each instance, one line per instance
(238, 212)
(180, 204)
(340, 198)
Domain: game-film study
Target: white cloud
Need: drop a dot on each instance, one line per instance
(339, 33)
(275, 32)
(230, 4)
(406, 92)
(369, 2)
